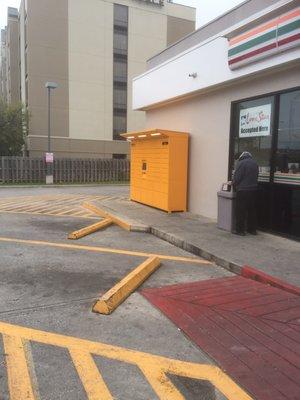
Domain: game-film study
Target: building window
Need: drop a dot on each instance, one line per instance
(120, 68)
(120, 41)
(119, 122)
(120, 16)
(253, 132)
(269, 127)
(288, 145)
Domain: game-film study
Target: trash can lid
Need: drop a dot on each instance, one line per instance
(226, 195)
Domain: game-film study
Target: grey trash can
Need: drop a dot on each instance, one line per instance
(226, 209)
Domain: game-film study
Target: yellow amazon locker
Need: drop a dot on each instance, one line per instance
(159, 168)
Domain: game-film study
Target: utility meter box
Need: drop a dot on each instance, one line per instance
(159, 168)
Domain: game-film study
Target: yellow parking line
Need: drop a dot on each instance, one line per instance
(84, 212)
(56, 210)
(42, 204)
(86, 216)
(41, 207)
(89, 374)
(19, 382)
(35, 210)
(29, 206)
(104, 250)
(154, 367)
(8, 204)
(161, 384)
(68, 211)
(18, 200)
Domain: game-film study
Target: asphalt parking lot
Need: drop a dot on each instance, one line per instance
(50, 288)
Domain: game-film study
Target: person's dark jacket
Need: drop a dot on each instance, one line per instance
(246, 174)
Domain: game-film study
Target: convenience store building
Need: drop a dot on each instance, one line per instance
(234, 85)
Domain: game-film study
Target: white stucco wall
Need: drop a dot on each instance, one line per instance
(204, 66)
(209, 61)
(207, 118)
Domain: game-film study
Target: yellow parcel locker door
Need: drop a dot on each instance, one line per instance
(159, 168)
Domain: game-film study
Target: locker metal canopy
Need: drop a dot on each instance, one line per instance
(159, 163)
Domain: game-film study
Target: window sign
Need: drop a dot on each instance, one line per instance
(255, 121)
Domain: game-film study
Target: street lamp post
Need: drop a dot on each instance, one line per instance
(49, 155)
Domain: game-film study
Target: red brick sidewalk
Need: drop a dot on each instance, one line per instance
(251, 330)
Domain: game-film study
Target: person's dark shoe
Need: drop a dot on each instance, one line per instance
(252, 232)
(239, 233)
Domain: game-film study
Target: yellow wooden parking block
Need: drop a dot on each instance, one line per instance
(118, 221)
(116, 295)
(90, 229)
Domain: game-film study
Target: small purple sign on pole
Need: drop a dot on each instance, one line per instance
(49, 158)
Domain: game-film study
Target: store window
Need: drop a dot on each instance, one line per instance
(253, 132)
(288, 145)
(269, 128)
(286, 189)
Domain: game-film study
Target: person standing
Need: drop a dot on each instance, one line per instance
(245, 183)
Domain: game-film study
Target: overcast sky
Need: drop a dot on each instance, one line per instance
(206, 9)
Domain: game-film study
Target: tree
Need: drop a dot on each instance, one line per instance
(13, 128)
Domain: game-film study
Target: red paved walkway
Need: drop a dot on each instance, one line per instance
(252, 330)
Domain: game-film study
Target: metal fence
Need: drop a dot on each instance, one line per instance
(16, 170)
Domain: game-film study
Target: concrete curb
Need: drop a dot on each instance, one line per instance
(135, 226)
(245, 271)
(238, 269)
(197, 251)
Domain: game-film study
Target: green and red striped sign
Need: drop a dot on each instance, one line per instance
(272, 37)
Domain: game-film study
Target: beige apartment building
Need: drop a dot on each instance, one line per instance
(92, 49)
(10, 59)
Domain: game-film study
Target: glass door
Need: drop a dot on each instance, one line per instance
(286, 192)
(253, 131)
(269, 128)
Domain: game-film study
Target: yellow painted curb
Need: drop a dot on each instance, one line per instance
(90, 229)
(116, 295)
(104, 214)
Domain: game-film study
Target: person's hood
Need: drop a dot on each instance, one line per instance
(244, 155)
